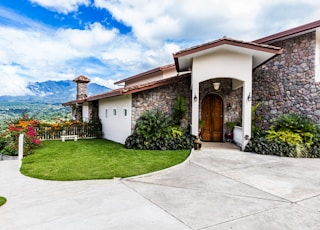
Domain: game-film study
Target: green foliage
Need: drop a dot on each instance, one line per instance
(255, 117)
(229, 125)
(290, 135)
(155, 130)
(96, 123)
(295, 123)
(3, 200)
(262, 145)
(95, 159)
(179, 109)
(10, 136)
(286, 136)
(153, 124)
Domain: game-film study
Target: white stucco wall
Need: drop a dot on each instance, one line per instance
(223, 64)
(116, 127)
(85, 112)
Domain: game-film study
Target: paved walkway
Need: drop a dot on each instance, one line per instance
(214, 189)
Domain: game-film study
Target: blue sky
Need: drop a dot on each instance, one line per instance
(108, 40)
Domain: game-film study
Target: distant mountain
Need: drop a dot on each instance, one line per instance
(54, 92)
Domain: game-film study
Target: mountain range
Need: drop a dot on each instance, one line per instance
(54, 92)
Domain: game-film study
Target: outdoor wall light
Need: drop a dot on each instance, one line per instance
(195, 98)
(216, 85)
(249, 97)
(229, 107)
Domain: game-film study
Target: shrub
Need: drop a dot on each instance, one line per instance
(286, 136)
(179, 109)
(290, 135)
(262, 145)
(24, 126)
(155, 131)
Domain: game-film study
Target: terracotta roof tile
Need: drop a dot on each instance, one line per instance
(82, 79)
(130, 90)
(154, 84)
(291, 32)
(146, 73)
(227, 41)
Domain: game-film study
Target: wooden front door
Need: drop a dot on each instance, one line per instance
(212, 115)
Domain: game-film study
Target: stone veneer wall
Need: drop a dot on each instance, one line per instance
(81, 90)
(161, 98)
(286, 84)
(234, 97)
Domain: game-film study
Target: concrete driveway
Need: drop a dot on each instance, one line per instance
(213, 189)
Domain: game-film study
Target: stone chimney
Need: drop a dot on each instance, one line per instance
(82, 82)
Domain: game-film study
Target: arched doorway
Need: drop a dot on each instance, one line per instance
(212, 115)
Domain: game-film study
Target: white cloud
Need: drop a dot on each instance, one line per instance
(61, 6)
(197, 21)
(37, 52)
(95, 36)
(11, 82)
(108, 83)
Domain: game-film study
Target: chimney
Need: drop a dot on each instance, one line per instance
(82, 82)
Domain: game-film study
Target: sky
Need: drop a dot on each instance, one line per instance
(109, 40)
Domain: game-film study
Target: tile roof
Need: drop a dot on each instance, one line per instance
(154, 84)
(227, 41)
(291, 32)
(130, 90)
(82, 79)
(146, 73)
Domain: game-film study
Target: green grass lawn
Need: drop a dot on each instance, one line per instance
(95, 159)
(2, 200)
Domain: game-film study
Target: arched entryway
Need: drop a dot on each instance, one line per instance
(212, 116)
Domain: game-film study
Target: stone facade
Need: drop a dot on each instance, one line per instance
(161, 98)
(81, 90)
(286, 84)
(229, 96)
(164, 97)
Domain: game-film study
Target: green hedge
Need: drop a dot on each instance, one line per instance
(289, 135)
(155, 130)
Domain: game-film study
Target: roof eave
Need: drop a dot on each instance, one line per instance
(73, 102)
(146, 73)
(289, 33)
(225, 41)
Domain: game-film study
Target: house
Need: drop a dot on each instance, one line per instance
(220, 82)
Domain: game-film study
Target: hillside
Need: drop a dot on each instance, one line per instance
(53, 92)
(45, 100)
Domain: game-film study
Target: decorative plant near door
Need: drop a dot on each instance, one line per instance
(179, 110)
(229, 128)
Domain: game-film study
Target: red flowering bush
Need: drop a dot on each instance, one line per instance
(10, 137)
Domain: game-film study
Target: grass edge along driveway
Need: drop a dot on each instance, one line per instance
(95, 159)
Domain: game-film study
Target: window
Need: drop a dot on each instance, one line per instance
(125, 112)
(114, 112)
(106, 113)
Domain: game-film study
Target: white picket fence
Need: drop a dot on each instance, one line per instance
(49, 133)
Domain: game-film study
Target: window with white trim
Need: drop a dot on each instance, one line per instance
(106, 113)
(125, 112)
(114, 112)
